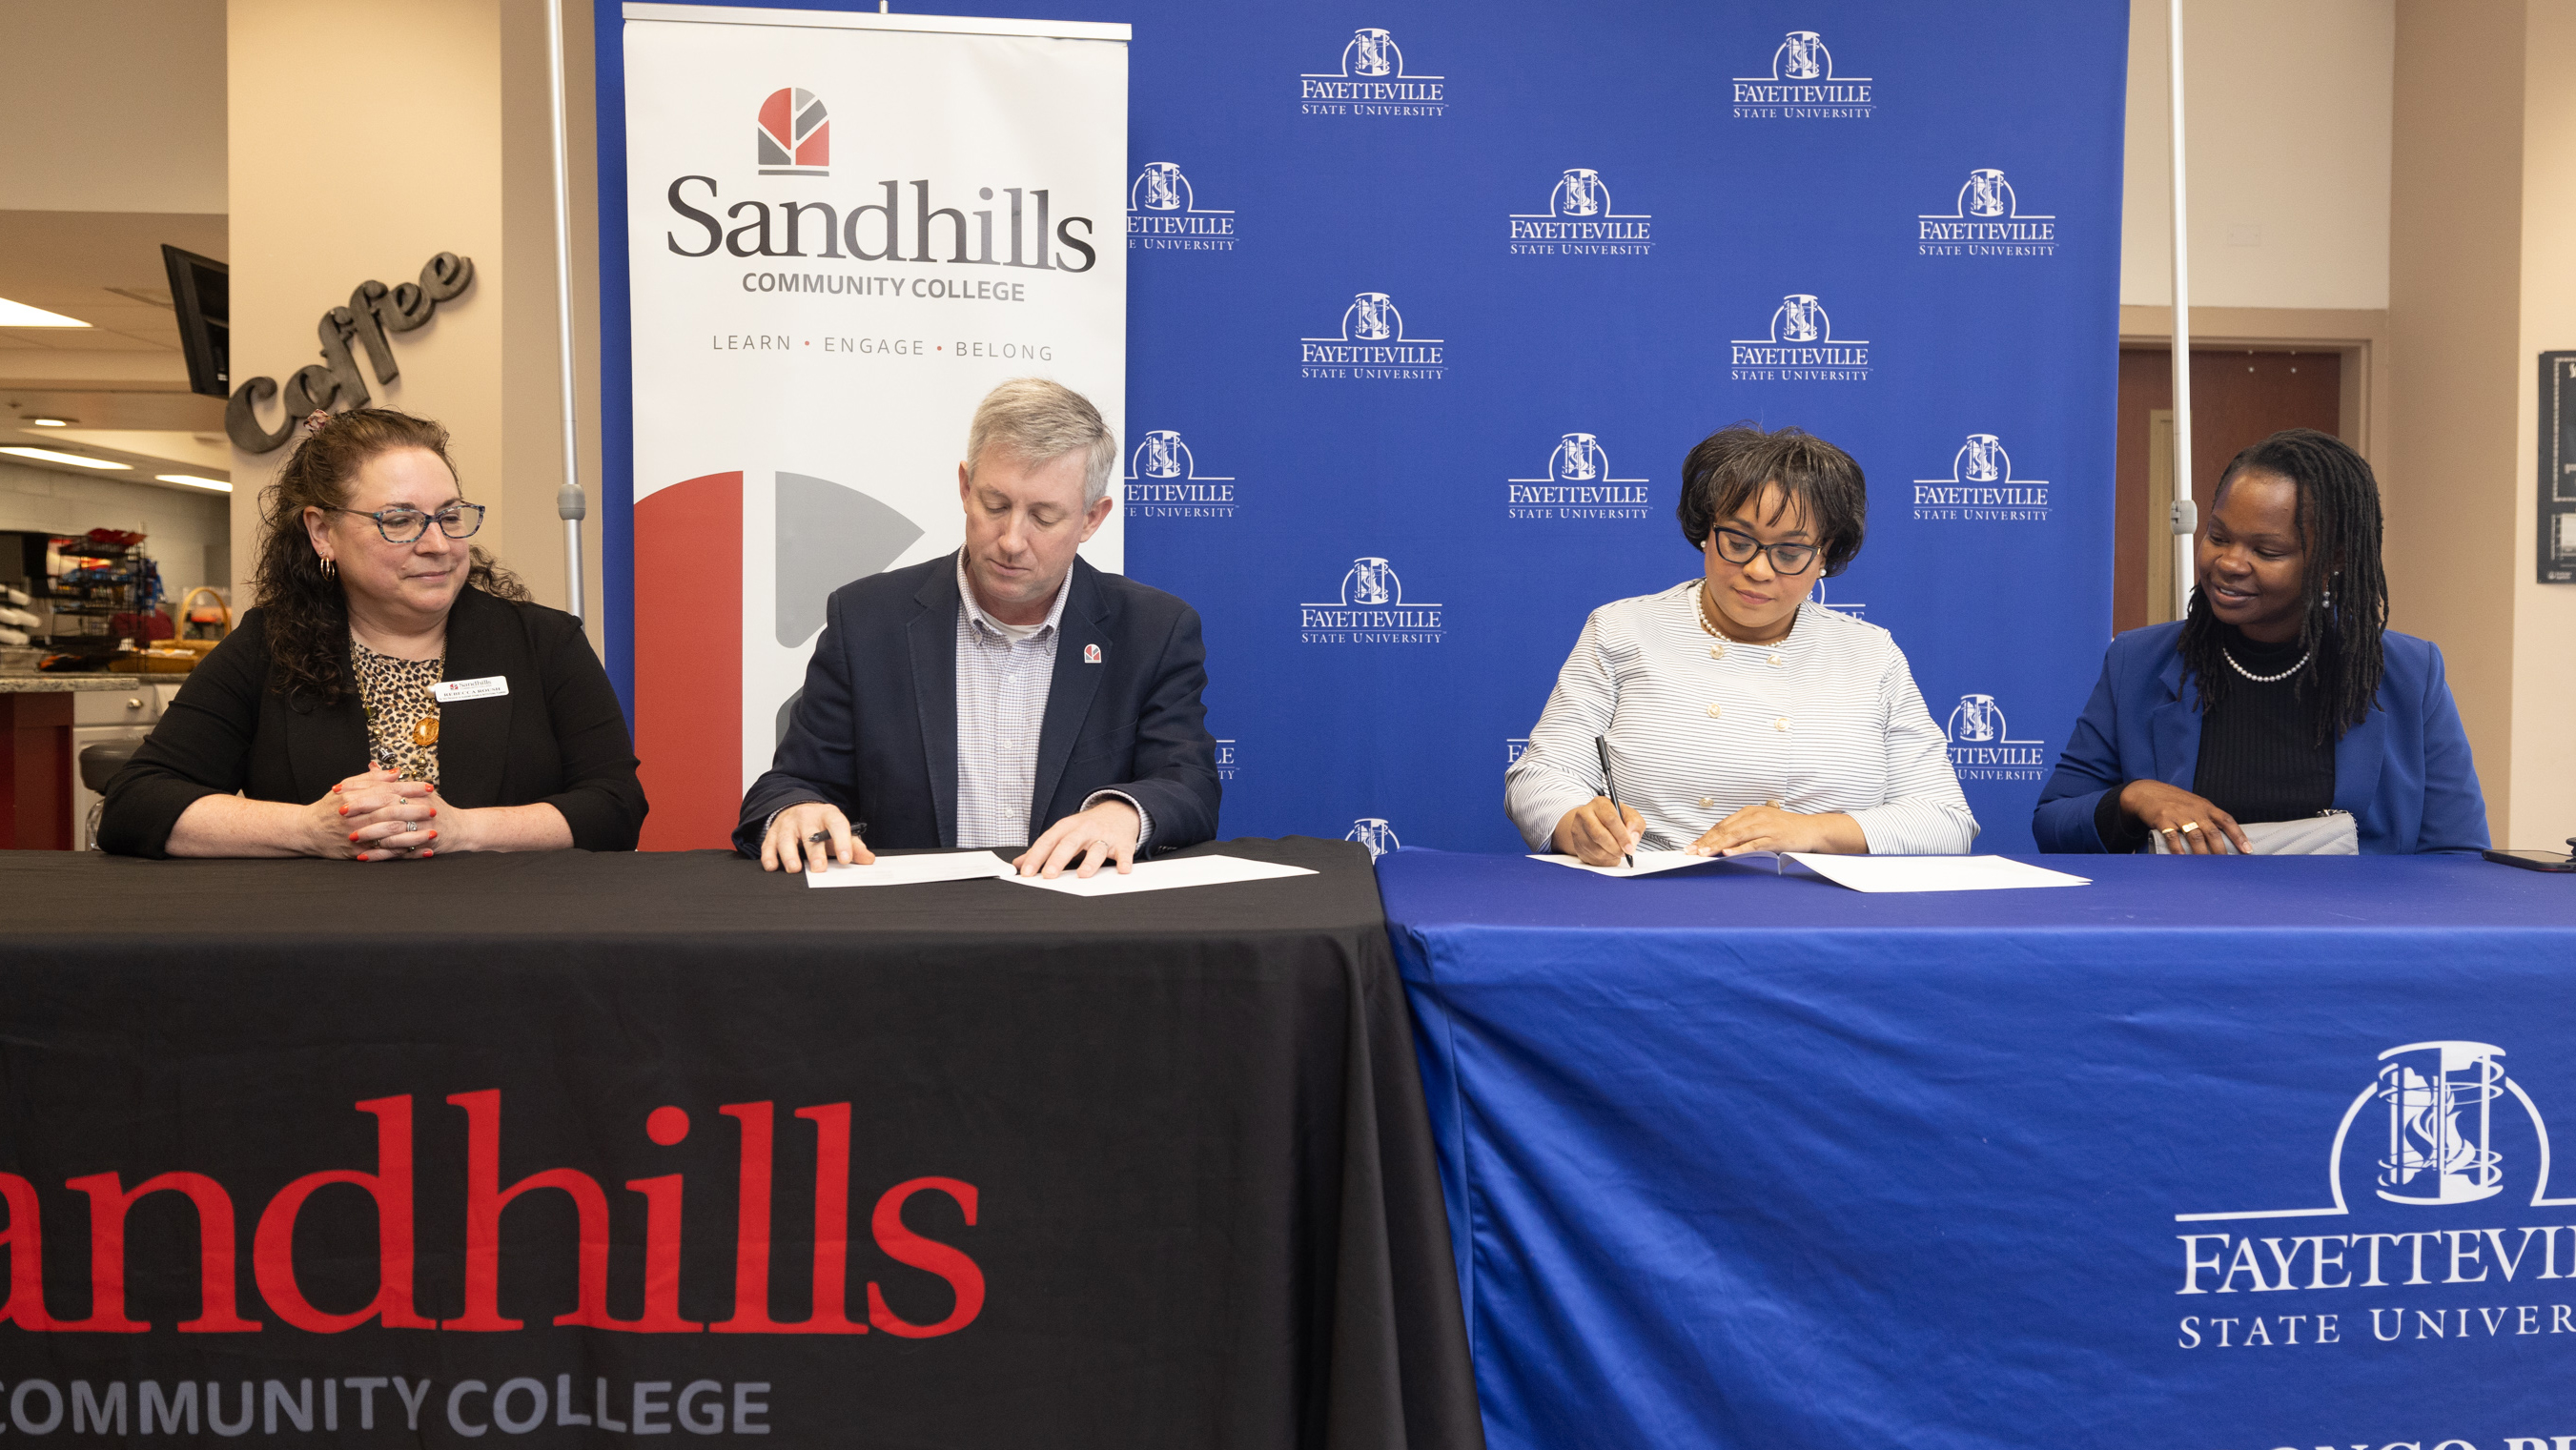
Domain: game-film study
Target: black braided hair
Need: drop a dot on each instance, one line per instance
(2345, 589)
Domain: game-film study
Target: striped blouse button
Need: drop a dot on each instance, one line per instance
(1717, 651)
(1779, 659)
(1773, 803)
(1715, 711)
(1781, 724)
(1708, 803)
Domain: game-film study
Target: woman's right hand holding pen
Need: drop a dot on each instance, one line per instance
(1598, 833)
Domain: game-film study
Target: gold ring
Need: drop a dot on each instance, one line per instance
(2190, 826)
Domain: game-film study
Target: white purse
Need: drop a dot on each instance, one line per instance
(2327, 833)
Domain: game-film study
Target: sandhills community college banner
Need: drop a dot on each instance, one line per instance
(1431, 297)
(843, 231)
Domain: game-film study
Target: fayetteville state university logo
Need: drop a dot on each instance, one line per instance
(1226, 759)
(1372, 345)
(1985, 220)
(1578, 485)
(2442, 1126)
(1581, 222)
(1802, 86)
(1372, 81)
(1163, 482)
(1374, 833)
(1800, 348)
(1371, 609)
(1853, 607)
(1981, 488)
(795, 137)
(1164, 215)
(1982, 746)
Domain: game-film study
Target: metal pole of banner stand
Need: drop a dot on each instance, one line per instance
(570, 504)
(2186, 514)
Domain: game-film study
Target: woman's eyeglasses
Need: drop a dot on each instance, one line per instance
(460, 520)
(1739, 548)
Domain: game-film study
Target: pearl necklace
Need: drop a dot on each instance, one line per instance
(2264, 679)
(1709, 625)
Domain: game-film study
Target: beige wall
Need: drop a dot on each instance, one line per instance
(2289, 116)
(2543, 717)
(449, 153)
(2483, 191)
(127, 98)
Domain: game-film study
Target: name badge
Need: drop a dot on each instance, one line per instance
(451, 691)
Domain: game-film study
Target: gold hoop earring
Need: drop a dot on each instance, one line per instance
(330, 567)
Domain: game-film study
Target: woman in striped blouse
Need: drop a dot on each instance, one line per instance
(1738, 716)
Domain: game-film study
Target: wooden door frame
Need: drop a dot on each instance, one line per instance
(2360, 336)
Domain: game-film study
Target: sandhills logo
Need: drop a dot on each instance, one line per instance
(1371, 80)
(1372, 344)
(1986, 220)
(795, 135)
(1163, 482)
(1374, 833)
(1370, 609)
(1981, 488)
(1164, 215)
(1982, 746)
(1800, 347)
(1802, 86)
(1580, 221)
(1578, 485)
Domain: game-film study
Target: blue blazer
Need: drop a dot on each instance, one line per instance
(2403, 773)
(875, 730)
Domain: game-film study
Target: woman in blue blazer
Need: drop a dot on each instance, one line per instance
(2282, 695)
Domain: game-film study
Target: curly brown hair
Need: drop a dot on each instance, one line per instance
(306, 613)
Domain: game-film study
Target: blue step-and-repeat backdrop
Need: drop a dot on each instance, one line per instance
(1427, 301)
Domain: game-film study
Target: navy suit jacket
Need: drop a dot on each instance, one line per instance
(2403, 773)
(875, 731)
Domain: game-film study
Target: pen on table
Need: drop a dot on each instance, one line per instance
(1609, 788)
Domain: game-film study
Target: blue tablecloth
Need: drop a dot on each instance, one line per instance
(2212, 1153)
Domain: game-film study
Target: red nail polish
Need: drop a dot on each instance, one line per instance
(426, 854)
(335, 790)
(353, 836)
(433, 835)
(433, 810)
(344, 810)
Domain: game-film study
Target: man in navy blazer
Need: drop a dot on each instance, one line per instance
(1006, 695)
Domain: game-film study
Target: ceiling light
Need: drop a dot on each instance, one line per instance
(52, 422)
(48, 455)
(19, 314)
(216, 484)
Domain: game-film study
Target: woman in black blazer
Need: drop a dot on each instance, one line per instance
(395, 695)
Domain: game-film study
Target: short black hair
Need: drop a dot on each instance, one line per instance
(2346, 590)
(1728, 467)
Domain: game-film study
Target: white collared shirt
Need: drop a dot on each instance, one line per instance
(1827, 719)
(1003, 676)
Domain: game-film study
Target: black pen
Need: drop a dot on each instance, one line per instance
(1611, 789)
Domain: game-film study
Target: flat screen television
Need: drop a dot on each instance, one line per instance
(201, 290)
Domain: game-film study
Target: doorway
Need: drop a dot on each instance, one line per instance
(2239, 396)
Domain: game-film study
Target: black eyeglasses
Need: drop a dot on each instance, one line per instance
(457, 521)
(1739, 548)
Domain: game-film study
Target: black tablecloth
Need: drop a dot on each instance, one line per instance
(1204, 1207)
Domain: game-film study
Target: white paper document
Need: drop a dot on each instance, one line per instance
(1932, 873)
(913, 870)
(1161, 876)
(1650, 862)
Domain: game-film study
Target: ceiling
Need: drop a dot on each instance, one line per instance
(121, 381)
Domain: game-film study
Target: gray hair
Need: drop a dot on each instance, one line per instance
(1041, 421)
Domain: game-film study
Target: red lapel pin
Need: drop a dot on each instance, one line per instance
(1091, 654)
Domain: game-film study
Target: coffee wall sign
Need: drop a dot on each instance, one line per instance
(374, 314)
